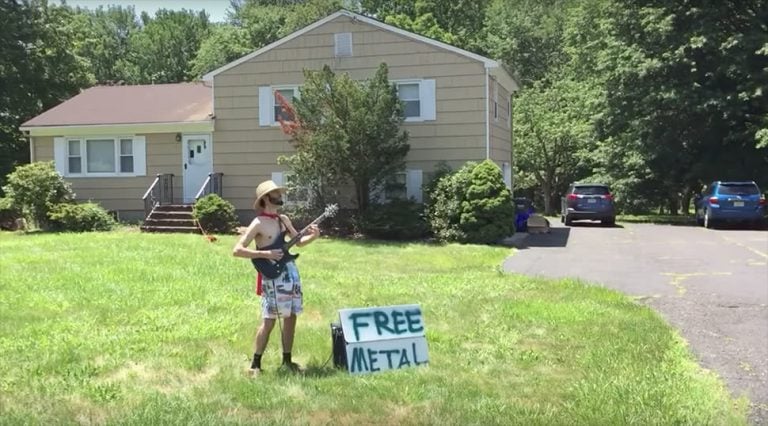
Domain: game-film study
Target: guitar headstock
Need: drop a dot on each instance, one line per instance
(331, 210)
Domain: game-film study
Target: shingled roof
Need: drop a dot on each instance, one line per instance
(156, 103)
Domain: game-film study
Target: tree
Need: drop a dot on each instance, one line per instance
(528, 35)
(39, 69)
(553, 136)
(164, 50)
(103, 38)
(458, 22)
(225, 44)
(689, 92)
(347, 131)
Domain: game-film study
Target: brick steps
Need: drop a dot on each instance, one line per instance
(171, 218)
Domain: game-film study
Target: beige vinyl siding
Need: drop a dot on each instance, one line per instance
(247, 153)
(43, 147)
(124, 193)
(501, 132)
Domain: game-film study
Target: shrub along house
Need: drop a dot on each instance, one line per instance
(114, 143)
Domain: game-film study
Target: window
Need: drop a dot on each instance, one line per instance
(396, 187)
(100, 156)
(418, 97)
(496, 101)
(269, 107)
(289, 94)
(74, 158)
(126, 155)
(738, 189)
(409, 94)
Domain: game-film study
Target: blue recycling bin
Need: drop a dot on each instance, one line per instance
(523, 211)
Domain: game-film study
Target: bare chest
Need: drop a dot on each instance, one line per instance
(269, 231)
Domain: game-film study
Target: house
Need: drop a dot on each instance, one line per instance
(114, 143)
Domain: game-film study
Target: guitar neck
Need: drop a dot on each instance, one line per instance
(301, 233)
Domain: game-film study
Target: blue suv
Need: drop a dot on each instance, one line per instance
(591, 201)
(730, 202)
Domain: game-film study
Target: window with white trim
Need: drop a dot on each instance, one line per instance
(418, 97)
(409, 94)
(289, 93)
(74, 157)
(99, 156)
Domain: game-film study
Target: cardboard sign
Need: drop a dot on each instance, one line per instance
(384, 338)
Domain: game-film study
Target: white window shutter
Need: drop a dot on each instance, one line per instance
(507, 170)
(413, 184)
(140, 155)
(277, 178)
(427, 99)
(266, 106)
(61, 155)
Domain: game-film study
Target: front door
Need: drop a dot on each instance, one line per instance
(198, 162)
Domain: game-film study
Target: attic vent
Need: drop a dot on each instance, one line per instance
(343, 44)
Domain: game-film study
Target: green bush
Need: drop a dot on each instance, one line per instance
(396, 220)
(83, 217)
(9, 213)
(215, 214)
(472, 205)
(444, 210)
(36, 188)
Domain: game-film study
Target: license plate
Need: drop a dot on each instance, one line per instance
(738, 204)
(591, 200)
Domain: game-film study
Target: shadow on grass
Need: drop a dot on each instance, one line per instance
(315, 371)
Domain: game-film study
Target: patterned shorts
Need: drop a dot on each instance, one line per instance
(283, 291)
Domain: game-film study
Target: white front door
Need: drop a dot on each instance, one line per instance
(198, 162)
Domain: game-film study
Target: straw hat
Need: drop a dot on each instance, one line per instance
(265, 188)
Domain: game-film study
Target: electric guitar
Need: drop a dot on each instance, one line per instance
(272, 269)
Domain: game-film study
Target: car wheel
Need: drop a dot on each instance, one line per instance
(709, 223)
(699, 220)
(609, 222)
(568, 221)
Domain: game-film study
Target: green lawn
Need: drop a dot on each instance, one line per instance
(130, 328)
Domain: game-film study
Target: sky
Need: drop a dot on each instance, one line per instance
(216, 9)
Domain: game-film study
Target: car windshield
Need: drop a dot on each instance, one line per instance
(591, 190)
(738, 189)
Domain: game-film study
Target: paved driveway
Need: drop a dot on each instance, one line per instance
(710, 284)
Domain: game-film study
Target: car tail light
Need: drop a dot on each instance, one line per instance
(761, 202)
(714, 200)
(608, 197)
(572, 197)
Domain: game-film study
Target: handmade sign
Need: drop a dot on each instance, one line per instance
(383, 338)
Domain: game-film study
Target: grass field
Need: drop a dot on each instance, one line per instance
(131, 328)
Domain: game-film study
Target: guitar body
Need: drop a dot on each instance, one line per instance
(272, 269)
